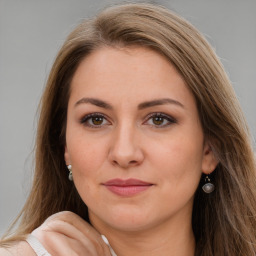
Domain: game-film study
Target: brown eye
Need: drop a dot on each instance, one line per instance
(97, 120)
(158, 120)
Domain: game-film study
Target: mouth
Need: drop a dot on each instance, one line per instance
(128, 187)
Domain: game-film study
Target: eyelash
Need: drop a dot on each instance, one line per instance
(168, 118)
(85, 120)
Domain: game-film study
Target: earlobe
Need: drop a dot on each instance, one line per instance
(210, 161)
(66, 156)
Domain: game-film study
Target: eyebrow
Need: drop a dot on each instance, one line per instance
(157, 102)
(143, 105)
(96, 102)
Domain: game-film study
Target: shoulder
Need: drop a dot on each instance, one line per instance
(5, 252)
(17, 249)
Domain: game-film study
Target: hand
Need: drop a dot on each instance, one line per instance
(66, 234)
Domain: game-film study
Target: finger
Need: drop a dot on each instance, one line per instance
(56, 234)
(89, 239)
(74, 220)
(74, 227)
(60, 245)
(79, 223)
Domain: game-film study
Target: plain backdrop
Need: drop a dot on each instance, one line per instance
(32, 31)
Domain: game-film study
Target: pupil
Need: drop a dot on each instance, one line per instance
(97, 120)
(157, 120)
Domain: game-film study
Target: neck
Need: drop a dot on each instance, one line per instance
(170, 239)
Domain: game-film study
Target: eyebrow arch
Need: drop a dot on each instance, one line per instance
(143, 105)
(157, 102)
(96, 102)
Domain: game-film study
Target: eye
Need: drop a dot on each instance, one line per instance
(160, 120)
(94, 120)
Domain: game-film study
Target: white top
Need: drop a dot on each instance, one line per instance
(37, 246)
(41, 251)
(107, 242)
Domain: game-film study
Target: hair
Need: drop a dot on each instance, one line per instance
(224, 222)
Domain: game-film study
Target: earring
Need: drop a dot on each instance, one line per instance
(208, 187)
(70, 175)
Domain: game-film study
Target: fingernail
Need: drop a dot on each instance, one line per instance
(105, 239)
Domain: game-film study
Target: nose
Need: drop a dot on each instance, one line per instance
(125, 150)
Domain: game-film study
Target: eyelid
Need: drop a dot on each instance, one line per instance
(169, 118)
(86, 117)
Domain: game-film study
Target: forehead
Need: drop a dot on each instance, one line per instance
(128, 73)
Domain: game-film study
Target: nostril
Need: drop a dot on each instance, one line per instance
(115, 162)
(125, 165)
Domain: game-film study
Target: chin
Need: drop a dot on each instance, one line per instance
(129, 225)
(129, 220)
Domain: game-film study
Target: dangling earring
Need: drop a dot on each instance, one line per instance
(208, 187)
(70, 175)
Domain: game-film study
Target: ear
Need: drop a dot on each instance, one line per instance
(66, 156)
(209, 161)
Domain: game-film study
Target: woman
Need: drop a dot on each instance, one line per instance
(138, 125)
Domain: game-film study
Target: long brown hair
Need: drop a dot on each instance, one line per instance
(224, 222)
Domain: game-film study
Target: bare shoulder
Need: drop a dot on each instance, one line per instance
(18, 249)
(5, 252)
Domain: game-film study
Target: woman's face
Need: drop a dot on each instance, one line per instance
(134, 140)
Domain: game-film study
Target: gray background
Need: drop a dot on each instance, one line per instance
(31, 32)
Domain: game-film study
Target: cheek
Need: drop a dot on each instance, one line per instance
(86, 156)
(179, 176)
(87, 159)
(180, 160)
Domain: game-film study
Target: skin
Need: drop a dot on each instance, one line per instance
(63, 234)
(127, 140)
(19, 248)
(128, 143)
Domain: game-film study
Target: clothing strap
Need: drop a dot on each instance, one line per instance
(41, 251)
(37, 246)
(107, 243)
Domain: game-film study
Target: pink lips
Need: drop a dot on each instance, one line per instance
(127, 187)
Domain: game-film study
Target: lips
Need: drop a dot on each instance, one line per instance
(128, 187)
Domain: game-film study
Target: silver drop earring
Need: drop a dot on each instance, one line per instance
(70, 175)
(208, 187)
